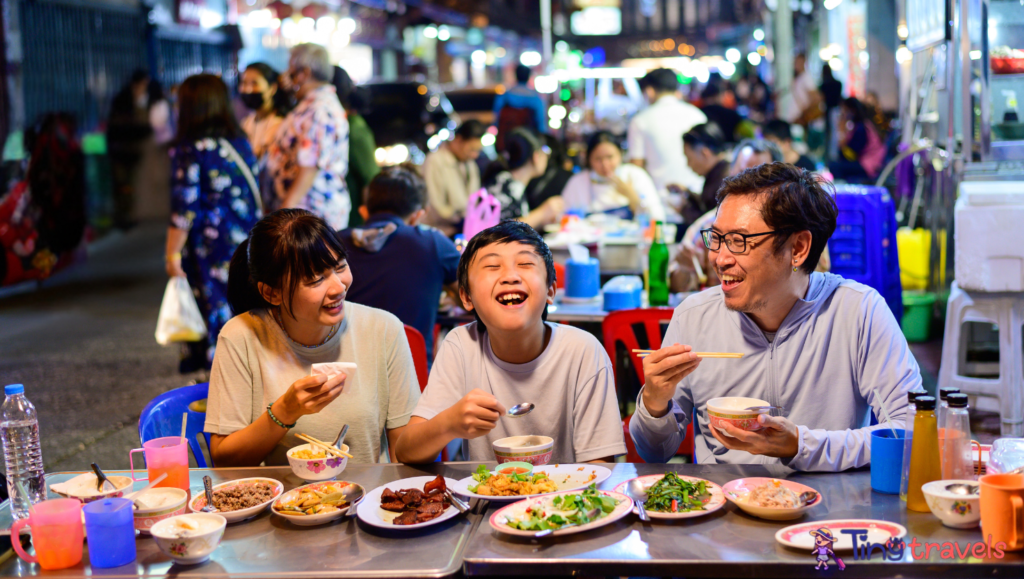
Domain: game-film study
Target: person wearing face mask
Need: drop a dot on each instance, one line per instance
(269, 103)
(826, 350)
(609, 186)
(524, 159)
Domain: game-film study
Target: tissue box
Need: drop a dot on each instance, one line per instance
(623, 293)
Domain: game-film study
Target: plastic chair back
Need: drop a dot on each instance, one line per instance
(863, 247)
(162, 417)
(418, 346)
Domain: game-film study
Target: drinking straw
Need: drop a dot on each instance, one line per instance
(24, 493)
(888, 419)
(184, 422)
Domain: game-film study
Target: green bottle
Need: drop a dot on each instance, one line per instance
(657, 273)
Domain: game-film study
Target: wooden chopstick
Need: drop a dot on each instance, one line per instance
(644, 353)
(327, 447)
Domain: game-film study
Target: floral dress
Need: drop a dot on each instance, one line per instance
(315, 134)
(211, 199)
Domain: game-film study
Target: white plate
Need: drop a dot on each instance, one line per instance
(312, 520)
(736, 491)
(799, 536)
(241, 514)
(715, 502)
(497, 519)
(370, 512)
(568, 477)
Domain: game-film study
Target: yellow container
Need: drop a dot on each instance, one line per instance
(914, 247)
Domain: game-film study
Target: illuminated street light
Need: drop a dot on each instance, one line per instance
(759, 34)
(754, 59)
(478, 57)
(831, 4)
(430, 32)
(347, 26)
(530, 58)
(733, 55)
(443, 33)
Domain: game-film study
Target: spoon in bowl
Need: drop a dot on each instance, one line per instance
(962, 489)
(520, 410)
(341, 436)
(208, 507)
(636, 491)
(101, 479)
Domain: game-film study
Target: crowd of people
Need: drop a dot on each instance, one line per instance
(301, 250)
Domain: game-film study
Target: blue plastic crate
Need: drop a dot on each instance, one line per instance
(863, 248)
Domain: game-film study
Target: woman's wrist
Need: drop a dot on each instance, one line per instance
(286, 415)
(176, 256)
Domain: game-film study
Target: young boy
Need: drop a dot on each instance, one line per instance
(511, 354)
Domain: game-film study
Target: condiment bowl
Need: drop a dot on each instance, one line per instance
(317, 519)
(731, 410)
(954, 510)
(533, 449)
(199, 500)
(737, 491)
(316, 469)
(173, 504)
(509, 468)
(83, 488)
(188, 548)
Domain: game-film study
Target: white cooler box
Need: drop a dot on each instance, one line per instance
(989, 230)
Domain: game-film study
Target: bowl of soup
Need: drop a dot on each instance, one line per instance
(732, 410)
(189, 539)
(533, 449)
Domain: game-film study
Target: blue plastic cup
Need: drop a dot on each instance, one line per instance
(110, 532)
(886, 460)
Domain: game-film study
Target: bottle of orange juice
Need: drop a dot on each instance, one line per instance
(925, 461)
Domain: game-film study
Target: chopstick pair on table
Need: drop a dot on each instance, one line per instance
(645, 353)
(328, 447)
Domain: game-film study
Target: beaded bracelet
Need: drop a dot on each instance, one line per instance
(276, 421)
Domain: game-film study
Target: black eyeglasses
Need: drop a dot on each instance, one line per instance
(736, 242)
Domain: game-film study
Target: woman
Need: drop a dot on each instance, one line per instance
(214, 202)
(832, 95)
(259, 92)
(288, 284)
(525, 158)
(862, 150)
(362, 164)
(609, 186)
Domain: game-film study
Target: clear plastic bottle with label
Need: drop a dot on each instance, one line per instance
(942, 406)
(956, 444)
(908, 439)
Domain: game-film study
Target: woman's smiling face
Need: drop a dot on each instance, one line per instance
(508, 286)
(320, 301)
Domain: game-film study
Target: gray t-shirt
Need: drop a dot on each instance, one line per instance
(256, 362)
(571, 383)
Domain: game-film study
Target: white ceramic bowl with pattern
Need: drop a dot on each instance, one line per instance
(536, 450)
(316, 469)
(188, 548)
(957, 511)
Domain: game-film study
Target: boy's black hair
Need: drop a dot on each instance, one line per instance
(706, 135)
(523, 73)
(507, 231)
(471, 129)
(662, 80)
(398, 190)
(779, 129)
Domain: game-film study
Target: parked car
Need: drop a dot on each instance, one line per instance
(475, 103)
(404, 116)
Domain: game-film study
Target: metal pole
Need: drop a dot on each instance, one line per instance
(545, 30)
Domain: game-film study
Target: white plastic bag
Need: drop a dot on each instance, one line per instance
(180, 320)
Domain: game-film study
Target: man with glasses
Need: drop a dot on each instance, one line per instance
(827, 351)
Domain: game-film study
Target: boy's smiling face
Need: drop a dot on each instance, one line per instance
(508, 286)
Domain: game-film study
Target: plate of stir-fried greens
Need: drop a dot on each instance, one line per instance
(674, 496)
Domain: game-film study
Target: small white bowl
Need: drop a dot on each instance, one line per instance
(533, 449)
(199, 500)
(316, 469)
(189, 549)
(731, 410)
(957, 511)
(173, 506)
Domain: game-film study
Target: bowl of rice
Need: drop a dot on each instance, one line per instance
(313, 464)
(769, 498)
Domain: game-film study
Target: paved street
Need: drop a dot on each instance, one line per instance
(83, 346)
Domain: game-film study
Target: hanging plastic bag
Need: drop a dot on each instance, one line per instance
(483, 210)
(180, 319)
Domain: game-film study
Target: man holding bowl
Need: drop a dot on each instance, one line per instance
(826, 350)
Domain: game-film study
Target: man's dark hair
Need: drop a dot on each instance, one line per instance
(711, 91)
(662, 80)
(398, 190)
(758, 146)
(470, 130)
(523, 73)
(779, 129)
(792, 200)
(706, 135)
(507, 231)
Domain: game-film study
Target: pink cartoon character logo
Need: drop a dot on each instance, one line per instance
(823, 541)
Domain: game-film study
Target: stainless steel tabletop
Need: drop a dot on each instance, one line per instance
(729, 543)
(266, 546)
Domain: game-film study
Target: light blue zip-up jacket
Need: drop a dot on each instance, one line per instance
(838, 354)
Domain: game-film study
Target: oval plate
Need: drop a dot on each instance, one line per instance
(715, 502)
(736, 491)
(199, 500)
(312, 520)
(497, 519)
(568, 477)
(370, 512)
(799, 536)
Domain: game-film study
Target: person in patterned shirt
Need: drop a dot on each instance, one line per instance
(309, 159)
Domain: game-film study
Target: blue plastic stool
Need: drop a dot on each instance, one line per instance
(162, 417)
(863, 247)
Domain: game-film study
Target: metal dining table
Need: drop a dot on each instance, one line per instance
(726, 543)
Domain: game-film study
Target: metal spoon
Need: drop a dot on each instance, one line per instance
(636, 491)
(341, 436)
(962, 489)
(209, 508)
(152, 483)
(765, 408)
(520, 410)
(807, 497)
(101, 478)
(353, 495)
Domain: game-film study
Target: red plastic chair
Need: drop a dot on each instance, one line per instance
(617, 327)
(418, 346)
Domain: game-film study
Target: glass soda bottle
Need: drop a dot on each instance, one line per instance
(925, 462)
(657, 263)
(19, 429)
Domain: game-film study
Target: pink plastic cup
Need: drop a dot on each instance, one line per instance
(56, 533)
(164, 455)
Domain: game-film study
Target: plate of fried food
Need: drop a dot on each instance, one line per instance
(505, 485)
(410, 503)
(675, 496)
(317, 503)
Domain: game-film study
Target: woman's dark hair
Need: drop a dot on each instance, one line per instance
(204, 110)
(598, 138)
(284, 249)
(706, 135)
(343, 85)
(282, 102)
(858, 112)
(359, 101)
(792, 200)
(398, 190)
(826, 72)
(507, 231)
(520, 145)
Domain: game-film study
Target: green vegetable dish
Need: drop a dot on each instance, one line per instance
(672, 494)
(563, 510)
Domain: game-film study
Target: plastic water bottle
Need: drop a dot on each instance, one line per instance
(956, 446)
(19, 429)
(908, 439)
